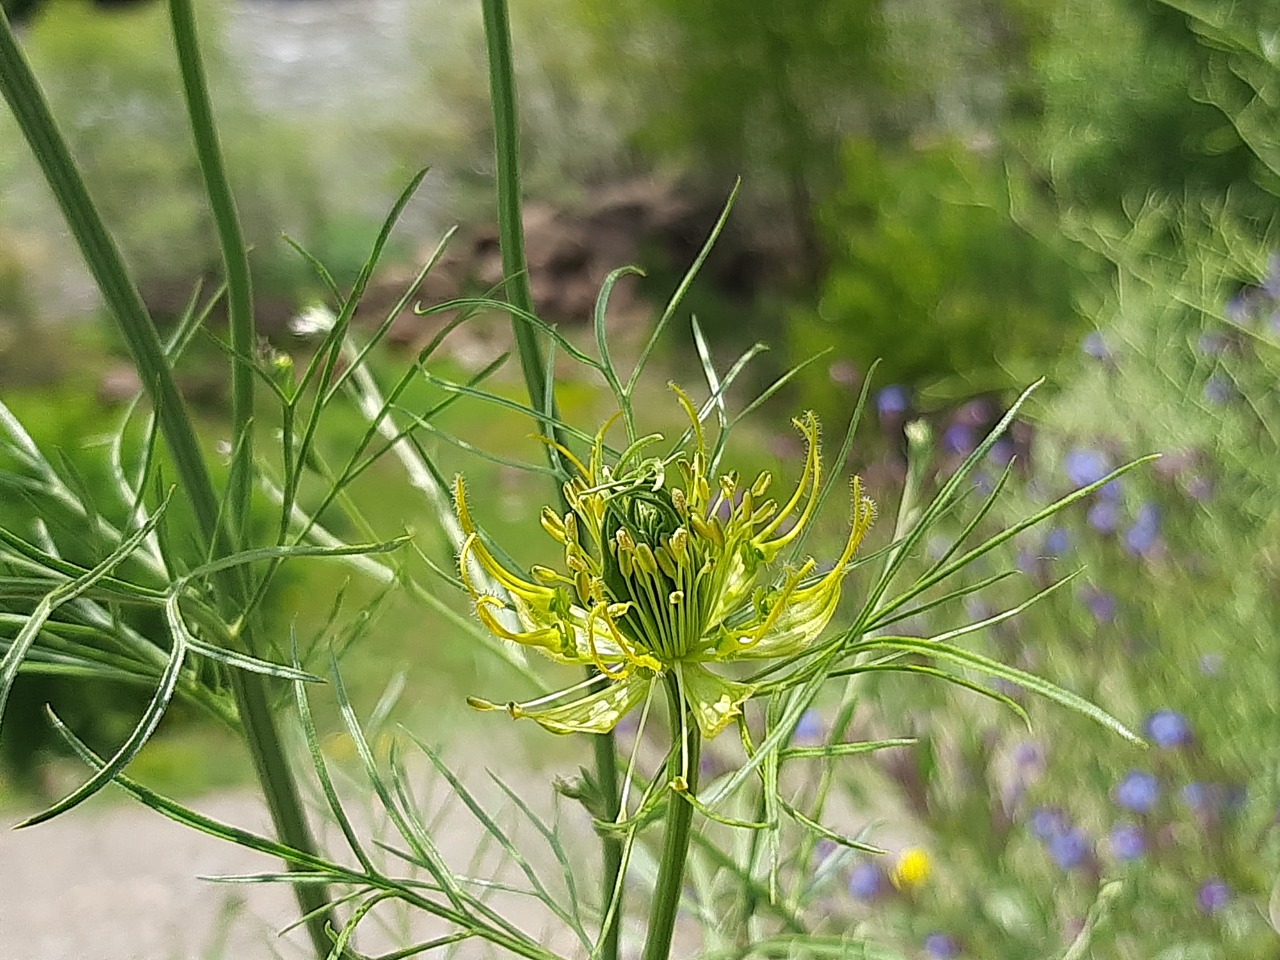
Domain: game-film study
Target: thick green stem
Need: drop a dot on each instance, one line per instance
(105, 263)
(675, 845)
(606, 757)
(235, 260)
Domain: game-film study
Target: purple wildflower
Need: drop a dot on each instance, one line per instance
(1104, 516)
(1138, 791)
(1213, 895)
(1169, 729)
(958, 439)
(1239, 307)
(1212, 343)
(1069, 848)
(1271, 282)
(1028, 754)
(1199, 488)
(1102, 605)
(893, 400)
(1111, 490)
(1203, 798)
(1084, 466)
(810, 729)
(1141, 538)
(1128, 841)
(866, 881)
(1057, 542)
(1002, 451)
(1047, 822)
(1218, 390)
(941, 946)
(1095, 345)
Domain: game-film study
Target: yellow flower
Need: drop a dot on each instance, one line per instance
(912, 869)
(664, 573)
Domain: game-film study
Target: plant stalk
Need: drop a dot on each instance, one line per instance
(25, 98)
(675, 845)
(515, 268)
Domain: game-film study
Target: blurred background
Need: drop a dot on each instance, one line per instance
(977, 193)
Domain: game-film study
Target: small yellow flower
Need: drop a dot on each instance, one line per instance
(912, 869)
(665, 572)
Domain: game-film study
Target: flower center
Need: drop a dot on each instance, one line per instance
(651, 562)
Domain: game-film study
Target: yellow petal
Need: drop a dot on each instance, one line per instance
(714, 700)
(596, 713)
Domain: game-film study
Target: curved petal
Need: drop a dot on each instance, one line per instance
(714, 700)
(598, 712)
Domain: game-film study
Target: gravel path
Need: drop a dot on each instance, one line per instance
(115, 881)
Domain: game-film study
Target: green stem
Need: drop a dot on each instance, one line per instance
(102, 256)
(606, 757)
(515, 267)
(235, 259)
(675, 845)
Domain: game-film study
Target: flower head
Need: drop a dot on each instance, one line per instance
(1128, 842)
(666, 571)
(912, 869)
(1213, 895)
(1169, 729)
(1138, 791)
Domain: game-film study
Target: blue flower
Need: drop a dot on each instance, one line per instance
(1104, 516)
(1047, 822)
(1084, 466)
(893, 400)
(1138, 791)
(1218, 390)
(1213, 895)
(941, 946)
(1100, 603)
(1203, 798)
(1141, 538)
(1212, 343)
(1094, 345)
(866, 881)
(959, 439)
(1069, 848)
(1239, 307)
(1128, 841)
(1057, 542)
(1271, 282)
(1002, 451)
(810, 729)
(1169, 729)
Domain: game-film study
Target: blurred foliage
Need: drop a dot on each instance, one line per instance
(1167, 116)
(930, 273)
(1172, 621)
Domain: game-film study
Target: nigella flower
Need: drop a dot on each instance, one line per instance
(656, 585)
